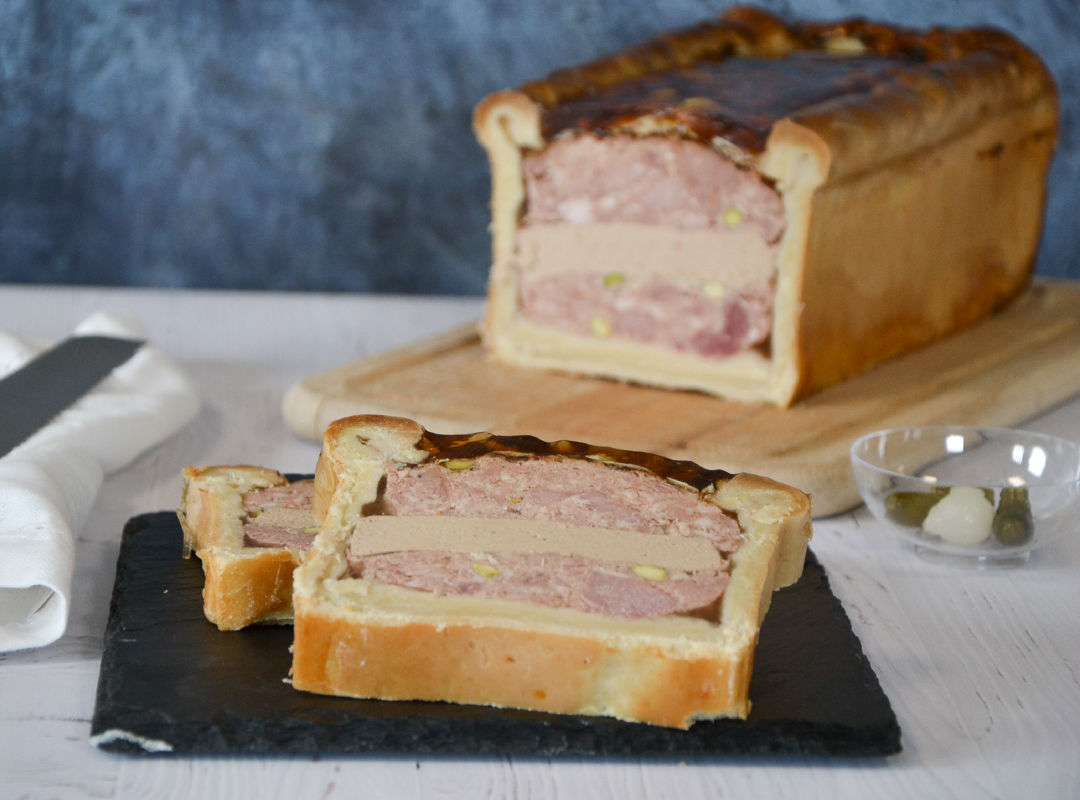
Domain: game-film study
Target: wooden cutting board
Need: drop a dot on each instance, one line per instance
(1001, 372)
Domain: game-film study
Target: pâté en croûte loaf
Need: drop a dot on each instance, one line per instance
(250, 527)
(558, 577)
(757, 208)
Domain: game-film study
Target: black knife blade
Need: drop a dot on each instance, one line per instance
(33, 395)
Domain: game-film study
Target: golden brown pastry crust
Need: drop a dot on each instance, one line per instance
(912, 211)
(360, 639)
(244, 585)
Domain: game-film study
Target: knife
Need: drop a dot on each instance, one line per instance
(33, 395)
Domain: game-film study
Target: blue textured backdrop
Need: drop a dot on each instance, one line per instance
(325, 144)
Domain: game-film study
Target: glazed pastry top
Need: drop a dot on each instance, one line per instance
(731, 79)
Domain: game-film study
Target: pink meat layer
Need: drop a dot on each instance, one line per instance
(296, 495)
(658, 313)
(652, 180)
(256, 535)
(553, 581)
(571, 491)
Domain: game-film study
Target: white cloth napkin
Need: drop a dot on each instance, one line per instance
(49, 482)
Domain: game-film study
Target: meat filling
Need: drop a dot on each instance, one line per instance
(704, 320)
(653, 239)
(652, 180)
(614, 590)
(558, 490)
(280, 516)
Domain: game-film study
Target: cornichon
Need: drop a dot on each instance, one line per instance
(910, 508)
(1013, 523)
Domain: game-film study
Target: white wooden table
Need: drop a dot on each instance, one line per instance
(983, 670)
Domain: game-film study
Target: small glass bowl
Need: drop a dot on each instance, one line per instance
(981, 498)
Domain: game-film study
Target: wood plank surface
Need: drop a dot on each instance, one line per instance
(1007, 369)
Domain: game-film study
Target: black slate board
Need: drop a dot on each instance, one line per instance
(173, 683)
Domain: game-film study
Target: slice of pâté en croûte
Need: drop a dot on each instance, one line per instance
(559, 577)
(250, 527)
